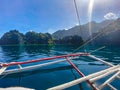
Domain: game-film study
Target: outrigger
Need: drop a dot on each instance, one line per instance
(4, 66)
(114, 70)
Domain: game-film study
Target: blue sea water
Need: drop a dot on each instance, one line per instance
(57, 74)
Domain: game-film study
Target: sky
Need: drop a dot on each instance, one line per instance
(52, 15)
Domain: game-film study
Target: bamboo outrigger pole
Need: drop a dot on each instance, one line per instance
(80, 73)
(77, 81)
(2, 70)
(21, 69)
(43, 59)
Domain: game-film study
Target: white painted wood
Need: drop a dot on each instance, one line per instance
(2, 70)
(107, 63)
(118, 77)
(102, 76)
(19, 66)
(77, 81)
(113, 88)
(95, 87)
(30, 67)
(109, 80)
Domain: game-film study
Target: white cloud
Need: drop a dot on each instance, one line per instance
(110, 16)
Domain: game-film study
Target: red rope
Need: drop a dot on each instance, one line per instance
(73, 65)
(43, 59)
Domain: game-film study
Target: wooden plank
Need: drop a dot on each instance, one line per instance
(102, 76)
(2, 70)
(44, 59)
(31, 67)
(118, 77)
(107, 63)
(109, 80)
(80, 73)
(77, 81)
(113, 88)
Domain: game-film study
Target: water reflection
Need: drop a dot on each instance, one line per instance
(53, 73)
(75, 76)
(38, 49)
(12, 53)
(21, 53)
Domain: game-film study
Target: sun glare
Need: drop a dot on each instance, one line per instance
(90, 10)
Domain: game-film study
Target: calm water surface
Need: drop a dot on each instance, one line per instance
(53, 75)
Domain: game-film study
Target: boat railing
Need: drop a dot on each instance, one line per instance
(43, 59)
(115, 70)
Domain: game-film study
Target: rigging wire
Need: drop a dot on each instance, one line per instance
(77, 13)
(97, 49)
(92, 38)
(80, 73)
(78, 17)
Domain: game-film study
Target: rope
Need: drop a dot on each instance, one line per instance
(43, 59)
(98, 49)
(77, 13)
(90, 40)
(99, 34)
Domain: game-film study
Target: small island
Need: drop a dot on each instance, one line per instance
(14, 37)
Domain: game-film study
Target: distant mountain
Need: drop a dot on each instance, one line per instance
(82, 30)
(14, 37)
(110, 34)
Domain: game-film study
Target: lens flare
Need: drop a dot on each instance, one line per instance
(90, 10)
